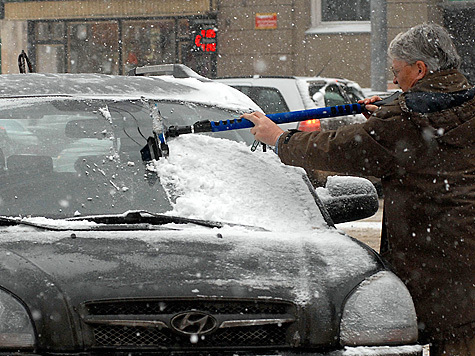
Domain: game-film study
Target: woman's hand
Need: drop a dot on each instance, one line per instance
(265, 130)
(371, 108)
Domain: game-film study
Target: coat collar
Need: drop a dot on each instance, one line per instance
(444, 81)
(442, 104)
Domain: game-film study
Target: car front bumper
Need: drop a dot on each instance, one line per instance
(413, 350)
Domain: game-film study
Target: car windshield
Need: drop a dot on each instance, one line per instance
(64, 157)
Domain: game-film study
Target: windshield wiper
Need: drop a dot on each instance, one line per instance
(131, 220)
(8, 221)
(145, 217)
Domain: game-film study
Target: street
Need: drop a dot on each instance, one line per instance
(367, 230)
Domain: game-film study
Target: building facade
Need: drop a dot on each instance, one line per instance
(327, 37)
(217, 37)
(110, 36)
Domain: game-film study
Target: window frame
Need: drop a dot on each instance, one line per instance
(318, 26)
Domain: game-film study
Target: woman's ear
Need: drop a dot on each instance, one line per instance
(422, 68)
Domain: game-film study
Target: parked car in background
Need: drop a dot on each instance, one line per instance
(103, 253)
(282, 94)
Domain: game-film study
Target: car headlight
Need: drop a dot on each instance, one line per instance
(379, 312)
(16, 329)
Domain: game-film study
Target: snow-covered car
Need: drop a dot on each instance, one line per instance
(281, 94)
(212, 250)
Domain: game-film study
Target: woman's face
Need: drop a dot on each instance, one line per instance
(407, 75)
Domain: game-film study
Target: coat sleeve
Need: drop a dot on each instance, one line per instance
(361, 149)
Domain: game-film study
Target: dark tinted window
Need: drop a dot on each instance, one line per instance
(314, 88)
(269, 99)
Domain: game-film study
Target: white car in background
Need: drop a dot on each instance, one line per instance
(281, 94)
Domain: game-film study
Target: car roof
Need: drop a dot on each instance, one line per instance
(123, 87)
(264, 78)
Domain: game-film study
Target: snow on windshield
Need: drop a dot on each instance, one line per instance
(217, 179)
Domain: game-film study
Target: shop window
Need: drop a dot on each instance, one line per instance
(148, 43)
(183, 29)
(116, 46)
(200, 50)
(50, 31)
(50, 40)
(94, 47)
(50, 58)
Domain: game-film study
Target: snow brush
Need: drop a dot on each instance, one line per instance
(279, 118)
(157, 147)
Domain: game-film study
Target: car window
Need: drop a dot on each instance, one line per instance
(11, 125)
(314, 88)
(354, 94)
(269, 99)
(83, 157)
(333, 96)
(244, 89)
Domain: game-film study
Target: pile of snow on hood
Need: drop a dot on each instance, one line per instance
(217, 179)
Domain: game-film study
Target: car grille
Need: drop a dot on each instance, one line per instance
(124, 336)
(148, 323)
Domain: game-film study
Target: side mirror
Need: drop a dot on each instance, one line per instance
(349, 198)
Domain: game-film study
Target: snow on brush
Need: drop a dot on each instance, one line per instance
(217, 179)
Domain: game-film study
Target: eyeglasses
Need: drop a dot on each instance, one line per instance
(397, 71)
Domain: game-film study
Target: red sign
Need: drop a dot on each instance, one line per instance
(266, 21)
(205, 40)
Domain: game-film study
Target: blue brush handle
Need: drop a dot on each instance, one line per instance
(279, 118)
(292, 116)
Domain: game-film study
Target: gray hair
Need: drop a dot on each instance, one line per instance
(430, 44)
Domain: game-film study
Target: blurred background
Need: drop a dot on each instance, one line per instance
(218, 38)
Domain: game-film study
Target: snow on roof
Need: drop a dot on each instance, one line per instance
(124, 87)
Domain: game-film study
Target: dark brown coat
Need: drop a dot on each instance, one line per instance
(426, 162)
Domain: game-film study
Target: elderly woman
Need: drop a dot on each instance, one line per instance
(422, 146)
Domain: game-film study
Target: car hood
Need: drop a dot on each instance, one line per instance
(56, 272)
